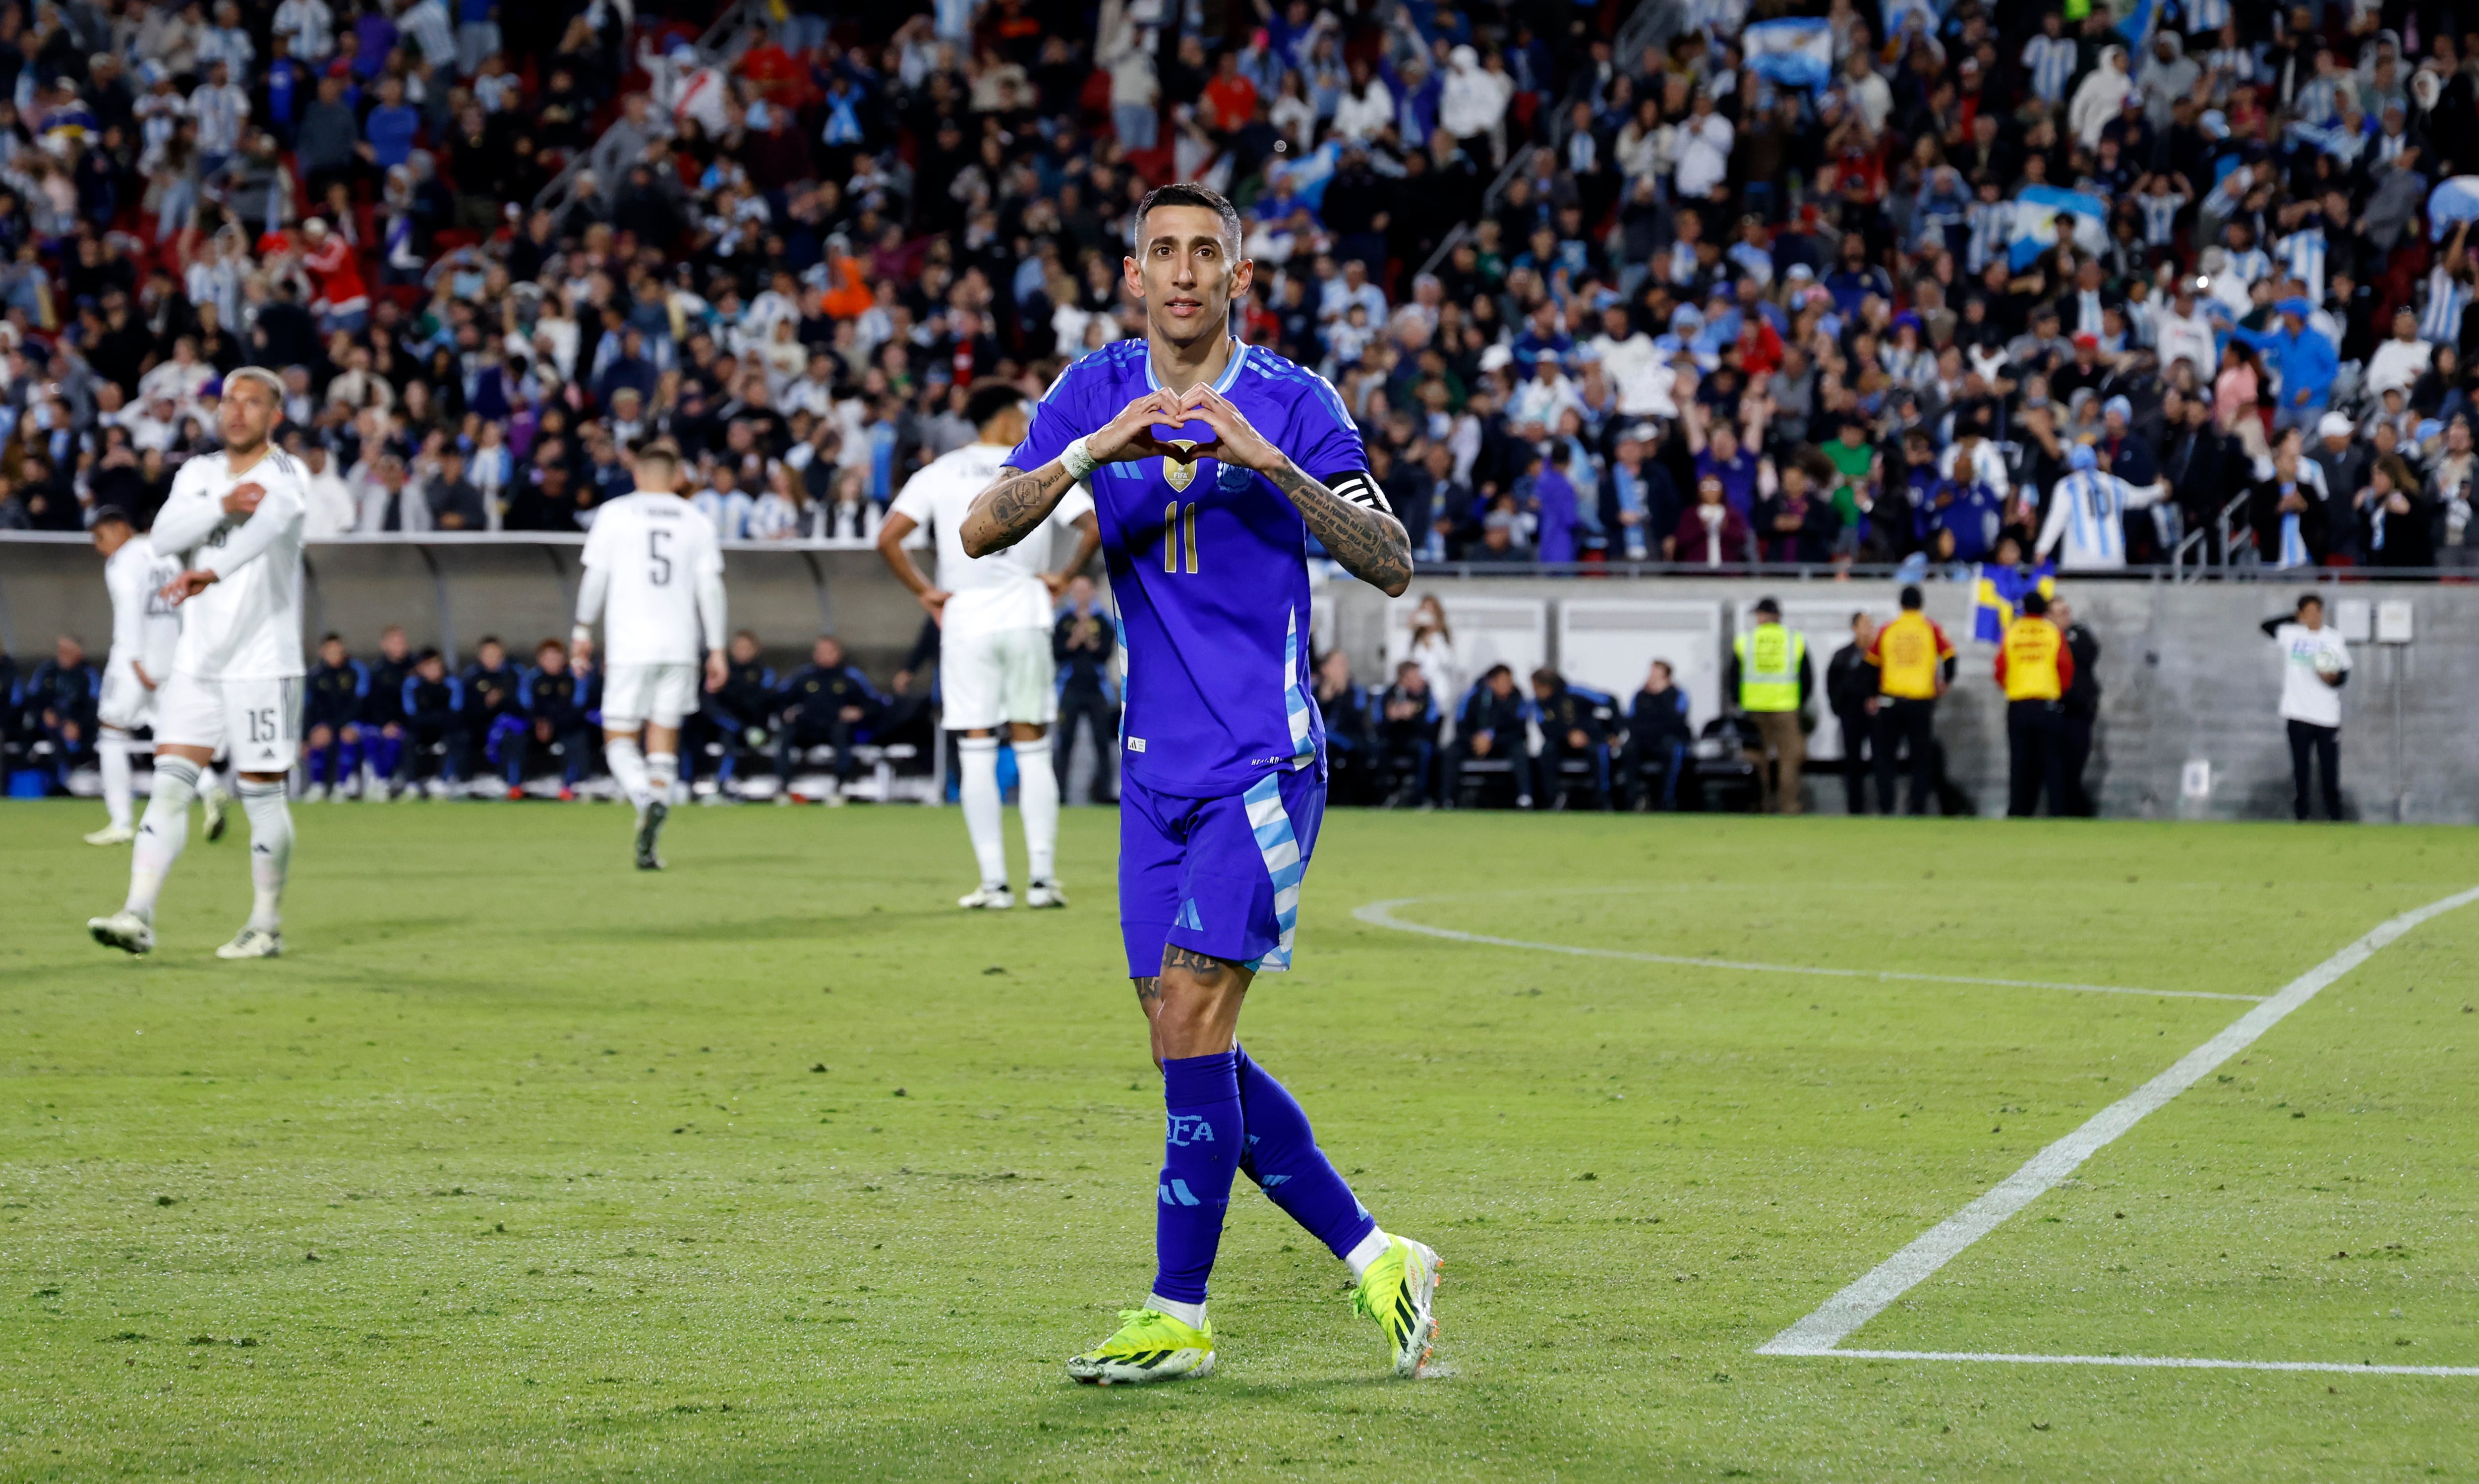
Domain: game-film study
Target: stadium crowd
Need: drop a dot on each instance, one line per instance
(1821, 290)
(1889, 285)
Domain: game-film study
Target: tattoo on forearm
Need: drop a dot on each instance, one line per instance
(1370, 545)
(1148, 989)
(1014, 505)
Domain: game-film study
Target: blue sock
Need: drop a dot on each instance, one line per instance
(385, 752)
(1284, 1161)
(1200, 1155)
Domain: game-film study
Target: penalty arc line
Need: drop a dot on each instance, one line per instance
(1382, 915)
(1874, 1292)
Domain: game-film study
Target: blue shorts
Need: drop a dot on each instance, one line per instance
(1218, 877)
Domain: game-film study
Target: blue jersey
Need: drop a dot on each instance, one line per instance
(1209, 569)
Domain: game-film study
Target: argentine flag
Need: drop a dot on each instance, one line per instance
(2037, 226)
(1792, 53)
(2137, 25)
(2455, 200)
(1897, 10)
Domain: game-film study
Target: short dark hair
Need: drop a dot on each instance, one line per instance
(491, 641)
(2035, 604)
(2305, 598)
(1186, 193)
(1912, 598)
(331, 637)
(990, 401)
(427, 655)
(110, 514)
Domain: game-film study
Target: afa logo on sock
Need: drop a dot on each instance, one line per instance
(1186, 1128)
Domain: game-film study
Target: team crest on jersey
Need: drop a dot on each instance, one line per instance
(1176, 474)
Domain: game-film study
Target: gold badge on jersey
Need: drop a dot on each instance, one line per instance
(1176, 474)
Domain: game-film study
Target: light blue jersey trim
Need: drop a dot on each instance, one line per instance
(1281, 849)
(1295, 705)
(1230, 372)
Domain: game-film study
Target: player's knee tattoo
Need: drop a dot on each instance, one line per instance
(1203, 965)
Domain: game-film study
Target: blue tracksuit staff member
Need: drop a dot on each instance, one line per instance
(826, 703)
(332, 698)
(1081, 642)
(1409, 720)
(493, 716)
(551, 701)
(60, 701)
(740, 715)
(1490, 727)
(1575, 723)
(1659, 739)
(434, 723)
(382, 717)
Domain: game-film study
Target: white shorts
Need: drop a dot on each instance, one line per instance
(126, 704)
(636, 694)
(1006, 675)
(259, 720)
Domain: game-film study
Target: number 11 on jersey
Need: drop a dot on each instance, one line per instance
(1179, 530)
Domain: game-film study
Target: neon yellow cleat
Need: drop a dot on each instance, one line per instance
(1397, 1292)
(1149, 1347)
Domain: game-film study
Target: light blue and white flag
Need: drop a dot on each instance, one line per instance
(2455, 200)
(1792, 53)
(2045, 215)
(2136, 27)
(1896, 10)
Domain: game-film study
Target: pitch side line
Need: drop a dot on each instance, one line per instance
(1863, 1301)
(1382, 915)
(2155, 1362)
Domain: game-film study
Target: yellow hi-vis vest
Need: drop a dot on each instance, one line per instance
(1769, 662)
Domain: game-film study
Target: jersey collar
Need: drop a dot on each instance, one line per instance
(1230, 373)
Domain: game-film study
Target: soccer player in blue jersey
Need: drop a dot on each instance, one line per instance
(1211, 464)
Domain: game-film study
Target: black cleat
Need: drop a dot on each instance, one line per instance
(650, 830)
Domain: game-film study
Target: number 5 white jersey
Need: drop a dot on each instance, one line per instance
(655, 563)
(247, 625)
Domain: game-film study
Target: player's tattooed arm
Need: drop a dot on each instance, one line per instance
(1366, 539)
(1013, 507)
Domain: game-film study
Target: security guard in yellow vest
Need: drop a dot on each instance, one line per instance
(1771, 674)
(2035, 667)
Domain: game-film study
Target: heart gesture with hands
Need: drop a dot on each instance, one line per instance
(1130, 436)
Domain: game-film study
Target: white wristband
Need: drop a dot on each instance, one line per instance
(1078, 463)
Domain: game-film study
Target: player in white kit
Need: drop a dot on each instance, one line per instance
(234, 522)
(994, 661)
(653, 575)
(143, 631)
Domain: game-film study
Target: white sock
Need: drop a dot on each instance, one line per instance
(1036, 798)
(271, 851)
(162, 834)
(980, 790)
(1371, 1247)
(627, 767)
(111, 755)
(1191, 1315)
(662, 771)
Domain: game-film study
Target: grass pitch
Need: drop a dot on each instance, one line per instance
(776, 1166)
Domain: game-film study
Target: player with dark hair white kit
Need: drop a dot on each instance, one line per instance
(995, 668)
(145, 632)
(234, 521)
(1211, 464)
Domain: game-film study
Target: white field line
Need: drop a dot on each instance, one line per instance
(1864, 1299)
(2155, 1362)
(1382, 915)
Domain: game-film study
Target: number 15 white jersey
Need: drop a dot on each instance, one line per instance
(656, 554)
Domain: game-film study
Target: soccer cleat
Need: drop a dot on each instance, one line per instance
(1149, 1347)
(650, 830)
(317, 793)
(997, 899)
(125, 930)
(252, 942)
(1044, 894)
(112, 835)
(1397, 1292)
(212, 801)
